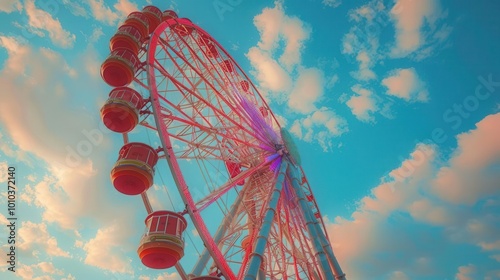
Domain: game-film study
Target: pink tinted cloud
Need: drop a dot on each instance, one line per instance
(467, 179)
(410, 16)
(405, 84)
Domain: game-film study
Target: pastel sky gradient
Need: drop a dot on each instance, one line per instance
(394, 106)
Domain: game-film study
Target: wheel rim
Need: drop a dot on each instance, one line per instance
(232, 129)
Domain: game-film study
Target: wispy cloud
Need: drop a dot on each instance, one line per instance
(332, 3)
(362, 104)
(103, 13)
(8, 6)
(43, 21)
(466, 272)
(405, 84)
(36, 236)
(320, 126)
(105, 250)
(75, 8)
(125, 7)
(418, 28)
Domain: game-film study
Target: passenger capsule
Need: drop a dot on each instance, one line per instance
(169, 14)
(162, 246)
(119, 68)
(134, 170)
(120, 113)
(127, 37)
(139, 21)
(154, 16)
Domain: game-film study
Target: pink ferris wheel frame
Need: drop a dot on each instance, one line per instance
(323, 262)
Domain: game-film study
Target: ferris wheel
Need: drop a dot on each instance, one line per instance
(236, 170)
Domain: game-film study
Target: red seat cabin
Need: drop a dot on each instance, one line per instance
(127, 37)
(211, 51)
(169, 14)
(234, 170)
(119, 68)
(227, 66)
(120, 113)
(162, 245)
(139, 21)
(154, 16)
(245, 86)
(134, 170)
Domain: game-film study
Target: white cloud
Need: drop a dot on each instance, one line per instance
(362, 105)
(367, 12)
(410, 16)
(399, 275)
(8, 6)
(168, 276)
(25, 272)
(425, 210)
(405, 84)
(36, 236)
(73, 146)
(466, 272)
(294, 32)
(269, 73)
(320, 126)
(281, 120)
(96, 34)
(332, 3)
(70, 277)
(90, 60)
(49, 268)
(362, 41)
(417, 27)
(28, 272)
(296, 129)
(125, 7)
(3, 171)
(75, 8)
(477, 149)
(363, 36)
(331, 81)
(18, 155)
(17, 52)
(106, 249)
(41, 20)
(269, 24)
(102, 13)
(274, 25)
(3, 220)
(79, 244)
(364, 72)
(308, 90)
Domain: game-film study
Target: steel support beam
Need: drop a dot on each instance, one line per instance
(261, 241)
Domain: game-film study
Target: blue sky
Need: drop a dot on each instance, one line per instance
(394, 105)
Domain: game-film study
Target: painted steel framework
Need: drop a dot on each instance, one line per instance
(208, 116)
